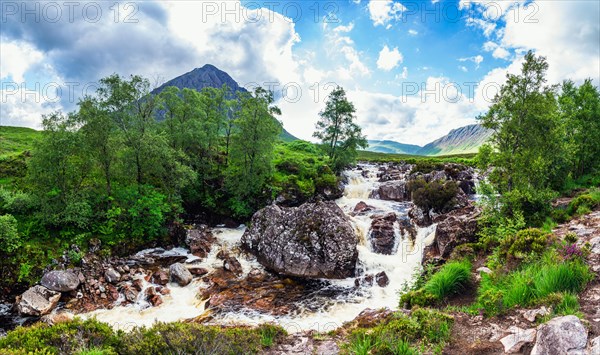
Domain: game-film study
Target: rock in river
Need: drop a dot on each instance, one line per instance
(60, 280)
(314, 240)
(180, 274)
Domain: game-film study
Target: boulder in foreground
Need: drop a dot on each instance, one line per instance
(314, 240)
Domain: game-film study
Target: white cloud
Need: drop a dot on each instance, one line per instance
(384, 11)
(475, 59)
(413, 32)
(344, 29)
(404, 73)
(497, 51)
(16, 58)
(389, 59)
(463, 68)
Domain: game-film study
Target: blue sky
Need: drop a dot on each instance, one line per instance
(414, 69)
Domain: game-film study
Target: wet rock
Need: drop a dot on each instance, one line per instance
(407, 229)
(315, 240)
(382, 279)
(160, 277)
(266, 293)
(112, 276)
(198, 271)
(130, 293)
(153, 297)
(200, 240)
(180, 274)
(366, 280)
(514, 342)
(467, 186)
(233, 265)
(561, 335)
(382, 234)
(138, 284)
(419, 217)
(393, 191)
(37, 301)
(595, 346)
(58, 317)
(60, 280)
(455, 228)
(362, 207)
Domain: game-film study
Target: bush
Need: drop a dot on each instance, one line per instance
(533, 204)
(9, 235)
(403, 334)
(62, 338)
(525, 243)
(437, 196)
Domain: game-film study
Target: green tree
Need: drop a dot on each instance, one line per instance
(339, 134)
(527, 131)
(252, 145)
(580, 111)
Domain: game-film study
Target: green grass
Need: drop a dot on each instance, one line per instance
(424, 329)
(16, 140)
(532, 284)
(364, 155)
(451, 278)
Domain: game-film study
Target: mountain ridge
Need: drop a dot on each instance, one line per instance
(462, 140)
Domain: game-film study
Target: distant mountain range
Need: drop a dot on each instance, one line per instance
(209, 76)
(462, 140)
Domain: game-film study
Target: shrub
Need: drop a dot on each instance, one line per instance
(9, 235)
(533, 204)
(525, 243)
(435, 195)
(62, 338)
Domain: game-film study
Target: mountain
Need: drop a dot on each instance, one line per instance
(392, 147)
(210, 76)
(462, 140)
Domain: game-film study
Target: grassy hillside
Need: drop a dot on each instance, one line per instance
(15, 140)
(462, 140)
(392, 147)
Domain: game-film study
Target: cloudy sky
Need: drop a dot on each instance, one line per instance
(414, 69)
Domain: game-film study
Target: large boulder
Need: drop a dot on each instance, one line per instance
(382, 235)
(180, 274)
(60, 280)
(561, 335)
(314, 240)
(453, 229)
(37, 301)
(393, 191)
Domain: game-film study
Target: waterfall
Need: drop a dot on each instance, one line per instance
(340, 301)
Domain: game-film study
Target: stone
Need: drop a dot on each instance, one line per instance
(456, 228)
(393, 191)
(532, 314)
(130, 293)
(198, 270)
(362, 207)
(561, 335)
(233, 265)
(595, 346)
(315, 240)
(382, 234)
(160, 277)
(382, 279)
(112, 276)
(37, 301)
(60, 280)
(200, 240)
(180, 274)
(484, 270)
(514, 342)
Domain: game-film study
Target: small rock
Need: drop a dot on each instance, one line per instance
(561, 335)
(198, 271)
(180, 274)
(382, 279)
(233, 265)
(138, 284)
(130, 293)
(484, 270)
(112, 276)
(160, 277)
(532, 314)
(519, 337)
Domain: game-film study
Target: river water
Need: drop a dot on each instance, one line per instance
(328, 306)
